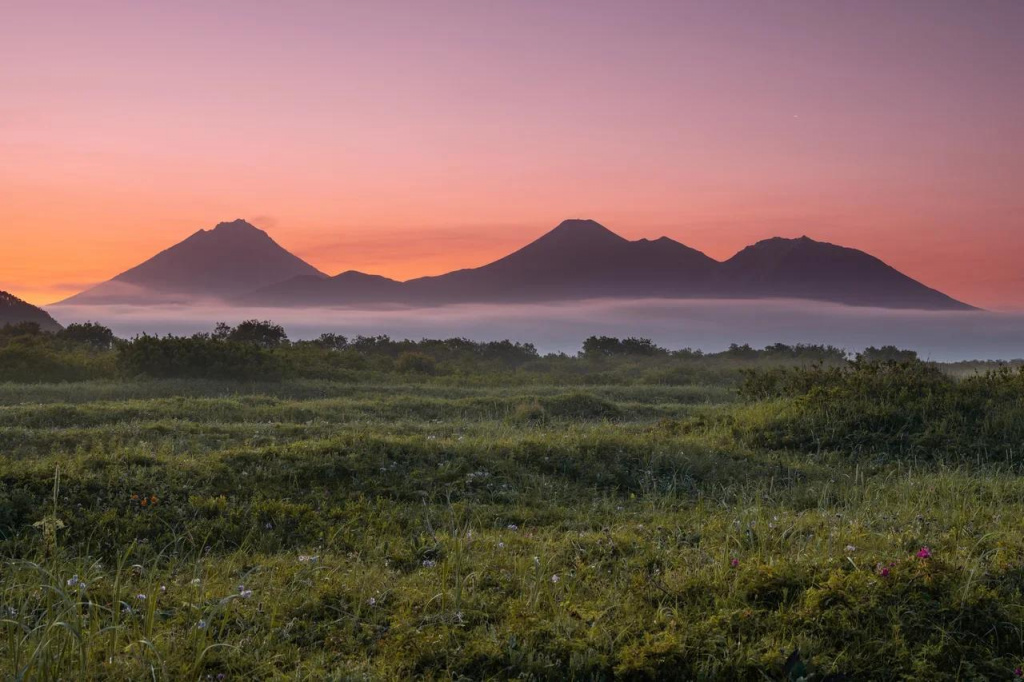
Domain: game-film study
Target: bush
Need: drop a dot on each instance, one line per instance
(264, 334)
(579, 406)
(906, 409)
(89, 334)
(415, 363)
(197, 357)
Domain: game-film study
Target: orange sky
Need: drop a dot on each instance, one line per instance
(404, 140)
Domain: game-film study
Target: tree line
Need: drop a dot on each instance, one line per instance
(262, 350)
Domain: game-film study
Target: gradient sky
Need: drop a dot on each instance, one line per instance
(411, 138)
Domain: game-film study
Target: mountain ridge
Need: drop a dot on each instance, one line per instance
(13, 310)
(578, 259)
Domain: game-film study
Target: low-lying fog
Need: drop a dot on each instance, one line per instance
(706, 324)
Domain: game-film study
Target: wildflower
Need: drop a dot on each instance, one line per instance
(221, 676)
(268, 526)
(850, 549)
(201, 625)
(140, 597)
(555, 578)
(196, 581)
(734, 562)
(501, 545)
(163, 589)
(513, 526)
(372, 601)
(924, 553)
(244, 593)
(73, 581)
(429, 563)
(1018, 672)
(882, 570)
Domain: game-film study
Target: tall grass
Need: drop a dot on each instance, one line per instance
(312, 530)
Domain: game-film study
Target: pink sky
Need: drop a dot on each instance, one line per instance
(413, 138)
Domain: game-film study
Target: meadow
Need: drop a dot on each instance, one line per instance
(382, 510)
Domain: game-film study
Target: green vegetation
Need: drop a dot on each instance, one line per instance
(250, 508)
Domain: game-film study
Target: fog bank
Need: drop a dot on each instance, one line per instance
(710, 325)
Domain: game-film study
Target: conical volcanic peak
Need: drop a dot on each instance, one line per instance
(230, 259)
(236, 229)
(584, 228)
(238, 224)
(578, 259)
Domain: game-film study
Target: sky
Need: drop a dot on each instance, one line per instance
(413, 138)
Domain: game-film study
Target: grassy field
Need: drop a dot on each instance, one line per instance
(825, 524)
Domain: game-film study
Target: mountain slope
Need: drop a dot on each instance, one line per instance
(230, 259)
(805, 268)
(577, 259)
(13, 310)
(346, 288)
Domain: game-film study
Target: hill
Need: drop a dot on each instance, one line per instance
(13, 310)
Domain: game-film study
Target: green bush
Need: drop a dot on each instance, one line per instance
(197, 357)
(902, 410)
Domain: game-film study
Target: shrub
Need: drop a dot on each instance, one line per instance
(89, 334)
(415, 363)
(905, 409)
(580, 406)
(197, 357)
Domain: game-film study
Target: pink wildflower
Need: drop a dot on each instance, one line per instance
(924, 553)
(734, 562)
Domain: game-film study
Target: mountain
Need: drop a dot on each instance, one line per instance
(577, 259)
(805, 268)
(231, 259)
(347, 288)
(13, 310)
(240, 264)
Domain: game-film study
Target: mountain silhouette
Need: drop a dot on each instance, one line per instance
(346, 288)
(805, 268)
(231, 259)
(240, 264)
(577, 259)
(13, 310)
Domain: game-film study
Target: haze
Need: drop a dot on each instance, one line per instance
(707, 325)
(412, 138)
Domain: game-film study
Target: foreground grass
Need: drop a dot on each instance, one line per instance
(322, 531)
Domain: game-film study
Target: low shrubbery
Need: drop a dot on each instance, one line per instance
(417, 529)
(897, 409)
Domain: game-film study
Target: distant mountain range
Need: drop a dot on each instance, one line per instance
(580, 259)
(13, 310)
